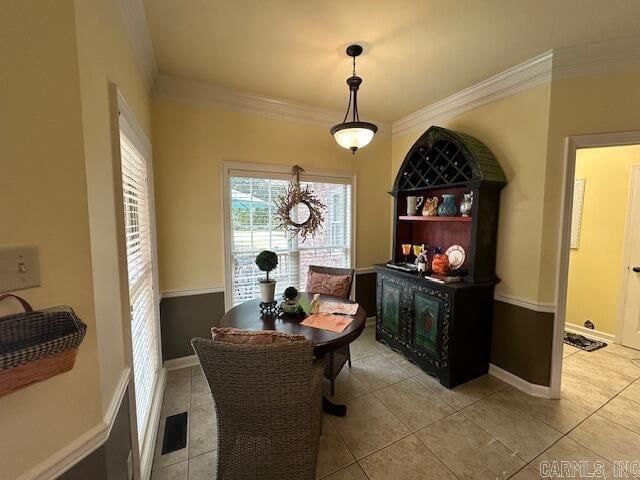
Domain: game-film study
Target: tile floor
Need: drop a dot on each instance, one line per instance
(402, 424)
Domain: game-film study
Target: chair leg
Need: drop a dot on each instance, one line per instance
(349, 355)
(333, 387)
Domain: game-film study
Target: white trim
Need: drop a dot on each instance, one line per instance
(633, 203)
(564, 236)
(112, 411)
(589, 333)
(135, 21)
(237, 101)
(181, 362)
(526, 303)
(67, 457)
(370, 321)
(148, 447)
(521, 384)
(194, 291)
(85, 444)
(519, 78)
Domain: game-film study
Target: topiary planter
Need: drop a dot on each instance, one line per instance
(268, 291)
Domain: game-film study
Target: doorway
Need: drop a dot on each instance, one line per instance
(598, 285)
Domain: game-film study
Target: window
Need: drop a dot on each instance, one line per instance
(253, 228)
(138, 214)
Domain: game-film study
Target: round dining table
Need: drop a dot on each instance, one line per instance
(247, 316)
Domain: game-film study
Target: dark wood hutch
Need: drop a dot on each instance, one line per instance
(445, 328)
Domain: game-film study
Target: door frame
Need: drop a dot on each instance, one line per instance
(634, 187)
(572, 144)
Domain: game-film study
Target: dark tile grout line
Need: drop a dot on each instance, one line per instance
(456, 410)
(576, 426)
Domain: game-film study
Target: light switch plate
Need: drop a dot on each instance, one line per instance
(19, 268)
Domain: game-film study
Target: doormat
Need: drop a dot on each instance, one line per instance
(175, 433)
(582, 342)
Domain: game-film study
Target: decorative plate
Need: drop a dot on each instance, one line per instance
(456, 256)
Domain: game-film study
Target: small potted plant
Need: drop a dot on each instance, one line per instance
(267, 262)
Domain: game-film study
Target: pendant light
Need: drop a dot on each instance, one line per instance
(354, 134)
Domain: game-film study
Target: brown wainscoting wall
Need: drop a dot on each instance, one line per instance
(522, 342)
(366, 292)
(183, 318)
(109, 462)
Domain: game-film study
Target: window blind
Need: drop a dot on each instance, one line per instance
(141, 279)
(254, 228)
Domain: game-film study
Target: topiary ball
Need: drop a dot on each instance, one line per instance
(267, 260)
(290, 293)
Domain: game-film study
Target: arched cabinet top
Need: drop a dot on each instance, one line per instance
(441, 158)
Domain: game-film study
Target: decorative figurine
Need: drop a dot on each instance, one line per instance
(413, 203)
(290, 304)
(315, 304)
(430, 208)
(448, 206)
(440, 262)
(466, 204)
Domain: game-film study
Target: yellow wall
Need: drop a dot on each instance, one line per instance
(599, 255)
(607, 102)
(105, 55)
(44, 203)
(190, 142)
(515, 129)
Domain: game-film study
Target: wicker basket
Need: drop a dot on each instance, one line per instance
(36, 345)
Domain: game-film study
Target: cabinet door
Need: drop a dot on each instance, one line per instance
(429, 330)
(390, 300)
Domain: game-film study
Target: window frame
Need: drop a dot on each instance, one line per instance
(281, 172)
(128, 124)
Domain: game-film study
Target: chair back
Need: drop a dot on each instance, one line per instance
(263, 397)
(335, 271)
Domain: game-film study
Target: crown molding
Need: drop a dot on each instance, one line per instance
(276, 108)
(524, 76)
(135, 20)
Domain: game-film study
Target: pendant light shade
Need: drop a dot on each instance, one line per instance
(354, 134)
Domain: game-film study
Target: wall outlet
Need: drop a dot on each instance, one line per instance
(130, 466)
(19, 268)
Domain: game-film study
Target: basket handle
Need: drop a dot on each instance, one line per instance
(23, 302)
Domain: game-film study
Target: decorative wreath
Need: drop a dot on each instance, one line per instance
(294, 195)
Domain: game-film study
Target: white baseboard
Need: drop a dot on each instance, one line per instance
(85, 444)
(532, 389)
(370, 321)
(182, 362)
(148, 447)
(592, 334)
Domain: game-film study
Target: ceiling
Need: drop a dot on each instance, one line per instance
(416, 51)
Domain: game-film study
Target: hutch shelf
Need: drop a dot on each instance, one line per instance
(445, 328)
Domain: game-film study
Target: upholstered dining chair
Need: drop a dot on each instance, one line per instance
(268, 402)
(341, 286)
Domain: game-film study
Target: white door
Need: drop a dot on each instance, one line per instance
(631, 282)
